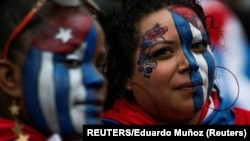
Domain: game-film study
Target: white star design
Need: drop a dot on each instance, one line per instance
(64, 34)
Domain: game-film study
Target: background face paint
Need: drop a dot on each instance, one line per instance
(60, 98)
(202, 66)
(65, 35)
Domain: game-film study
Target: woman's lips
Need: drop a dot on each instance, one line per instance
(187, 86)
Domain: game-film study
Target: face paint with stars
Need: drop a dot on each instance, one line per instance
(60, 77)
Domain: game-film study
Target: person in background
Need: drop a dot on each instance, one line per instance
(229, 38)
(51, 70)
(161, 68)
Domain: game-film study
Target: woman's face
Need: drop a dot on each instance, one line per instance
(63, 84)
(174, 70)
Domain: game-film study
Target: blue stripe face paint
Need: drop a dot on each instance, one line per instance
(202, 65)
(61, 85)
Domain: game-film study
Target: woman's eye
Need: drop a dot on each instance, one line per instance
(100, 66)
(198, 47)
(72, 63)
(100, 63)
(164, 52)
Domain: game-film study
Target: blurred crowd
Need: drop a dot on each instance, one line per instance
(232, 46)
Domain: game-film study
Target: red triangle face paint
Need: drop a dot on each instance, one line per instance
(65, 35)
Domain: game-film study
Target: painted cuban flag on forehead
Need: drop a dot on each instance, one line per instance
(65, 35)
(51, 88)
(189, 15)
(202, 65)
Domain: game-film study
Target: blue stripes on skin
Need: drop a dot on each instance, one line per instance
(62, 86)
(31, 71)
(185, 34)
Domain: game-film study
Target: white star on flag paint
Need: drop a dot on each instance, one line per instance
(64, 34)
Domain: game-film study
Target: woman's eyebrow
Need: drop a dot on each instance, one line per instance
(169, 42)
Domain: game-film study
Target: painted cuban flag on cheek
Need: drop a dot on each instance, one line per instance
(202, 65)
(52, 88)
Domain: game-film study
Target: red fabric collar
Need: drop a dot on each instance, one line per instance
(6, 133)
(128, 113)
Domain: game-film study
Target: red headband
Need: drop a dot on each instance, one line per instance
(21, 26)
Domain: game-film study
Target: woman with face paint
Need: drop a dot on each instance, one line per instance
(161, 69)
(51, 80)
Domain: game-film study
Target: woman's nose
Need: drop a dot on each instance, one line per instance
(92, 78)
(187, 63)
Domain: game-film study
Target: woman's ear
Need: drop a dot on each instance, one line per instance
(10, 78)
(129, 84)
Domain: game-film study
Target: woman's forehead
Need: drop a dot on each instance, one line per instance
(188, 14)
(64, 35)
(164, 18)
